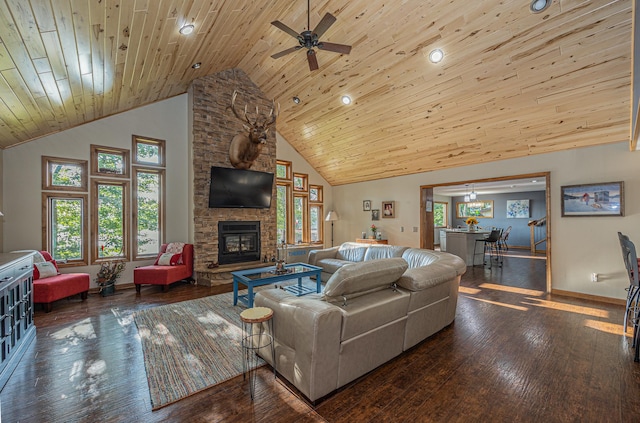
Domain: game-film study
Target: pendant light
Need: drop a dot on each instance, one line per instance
(473, 194)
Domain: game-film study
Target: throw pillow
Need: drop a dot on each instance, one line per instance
(168, 259)
(44, 270)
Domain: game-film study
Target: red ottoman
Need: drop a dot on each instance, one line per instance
(54, 288)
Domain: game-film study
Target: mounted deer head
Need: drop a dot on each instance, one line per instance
(246, 147)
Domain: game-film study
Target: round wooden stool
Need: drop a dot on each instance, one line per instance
(254, 338)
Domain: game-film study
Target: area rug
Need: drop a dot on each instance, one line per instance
(190, 346)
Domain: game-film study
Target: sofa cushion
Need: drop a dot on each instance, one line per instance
(331, 265)
(417, 257)
(168, 259)
(351, 252)
(364, 276)
(44, 270)
(375, 252)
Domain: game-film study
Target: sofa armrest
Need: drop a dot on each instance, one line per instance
(307, 340)
(316, 255)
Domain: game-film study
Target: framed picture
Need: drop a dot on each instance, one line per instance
(517, 209)
(366, 205)
(388, 209)
(479, 209)
(375, 214)
(603, 199)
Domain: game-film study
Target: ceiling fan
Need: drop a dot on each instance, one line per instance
(311, 39)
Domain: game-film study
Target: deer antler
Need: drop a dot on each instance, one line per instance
(233, 108)
(272, 116)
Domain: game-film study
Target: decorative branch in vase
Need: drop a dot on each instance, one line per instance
(374, 230)
(107, 275)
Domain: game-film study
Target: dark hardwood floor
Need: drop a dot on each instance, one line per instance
(514, 353)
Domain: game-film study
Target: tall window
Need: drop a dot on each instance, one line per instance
(110, 208)
(440, 214)
(316, 217)
(65, 234)
(148, 194)
(284, 184)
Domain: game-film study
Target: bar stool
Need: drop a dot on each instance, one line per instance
(254, 338)
(491, 243)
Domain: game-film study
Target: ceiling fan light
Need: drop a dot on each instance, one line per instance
(346, 100)
(196, 65)
(186, 29)
(538, 6)
(436, 56)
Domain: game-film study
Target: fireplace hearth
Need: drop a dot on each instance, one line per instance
(238, 242)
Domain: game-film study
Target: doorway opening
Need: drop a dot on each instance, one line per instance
(492, 196)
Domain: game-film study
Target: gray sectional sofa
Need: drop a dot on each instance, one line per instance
(378, 301)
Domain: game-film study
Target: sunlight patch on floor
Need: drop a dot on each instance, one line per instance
(589, 311)
(470, 291)
(607, 327)
(513, 289)
(76, 333)
(515, 307)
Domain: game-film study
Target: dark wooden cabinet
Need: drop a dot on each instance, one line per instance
(17, 330)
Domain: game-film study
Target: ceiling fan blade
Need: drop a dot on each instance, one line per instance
(337, 48)
(312, 59)
(285, 52)
(324, 24)
(285, 28)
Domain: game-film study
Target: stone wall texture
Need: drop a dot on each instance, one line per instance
(214, 125)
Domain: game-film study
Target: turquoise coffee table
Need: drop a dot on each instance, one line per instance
(267, 275)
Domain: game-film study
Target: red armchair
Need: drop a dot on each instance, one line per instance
(46, 290)
(165, 275)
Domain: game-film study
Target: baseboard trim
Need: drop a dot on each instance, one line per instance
(597, 298)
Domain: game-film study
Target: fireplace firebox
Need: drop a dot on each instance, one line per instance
(238, 242)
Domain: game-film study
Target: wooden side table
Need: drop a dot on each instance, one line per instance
(371, 241)
(254, 338)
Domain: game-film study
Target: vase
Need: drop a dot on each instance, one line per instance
(108, 289)
(472, 228)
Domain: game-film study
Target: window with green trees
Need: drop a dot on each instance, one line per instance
(149, 212)
(440, 214)
(65, 235)
(110, 207)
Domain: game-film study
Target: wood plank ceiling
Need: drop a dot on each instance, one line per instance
(512, 83)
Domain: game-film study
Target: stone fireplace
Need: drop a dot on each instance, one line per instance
(213, 127)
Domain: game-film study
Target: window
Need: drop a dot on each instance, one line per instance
(109, 161)
(299, 206)
(300, 182)
(148, 151)
(440, 214)
(301, 218)
(316, 216)
(110, 210)
(65, 234)
(64, 174)
(148, 208)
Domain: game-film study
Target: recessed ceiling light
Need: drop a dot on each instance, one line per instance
(436, 56)
(538, 6)
(296, 100)
(346, 100)
(186, 29)
(196, 65)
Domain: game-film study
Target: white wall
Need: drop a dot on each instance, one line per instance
(579, 245)
(286, 152)
(165, 120)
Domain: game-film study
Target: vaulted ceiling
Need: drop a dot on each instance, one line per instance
(512, 83)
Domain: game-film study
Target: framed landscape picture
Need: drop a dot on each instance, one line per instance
(479, 209)
(602, 199)
(517, 209)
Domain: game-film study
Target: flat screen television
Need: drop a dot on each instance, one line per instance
(239, 188)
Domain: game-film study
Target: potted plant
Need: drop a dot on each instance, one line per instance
(374, 230)
(107, 275)
(471, 222)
